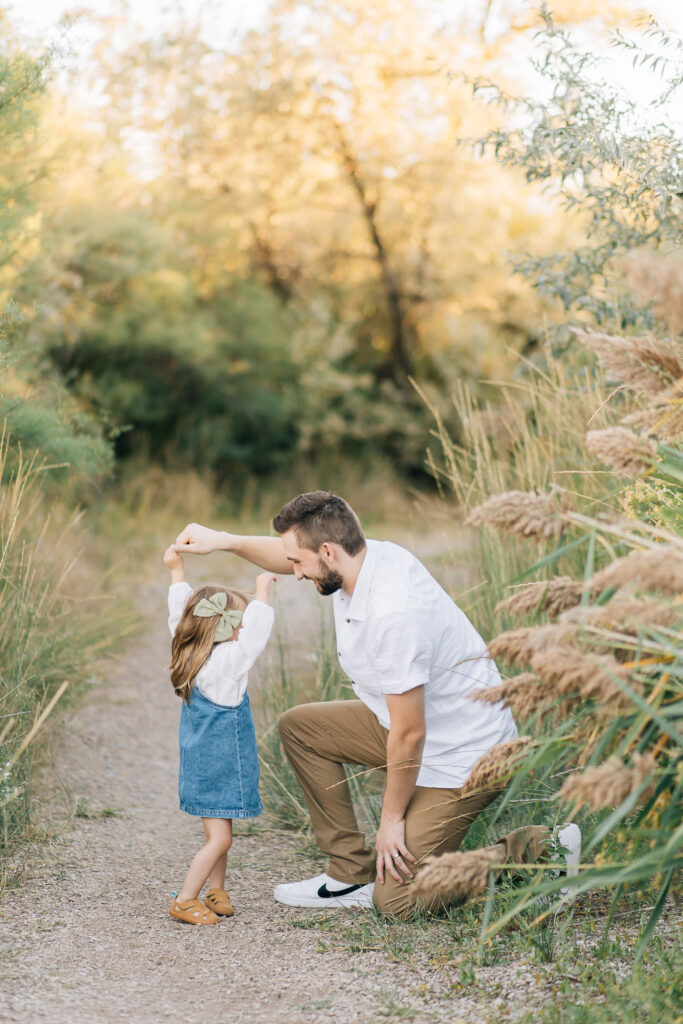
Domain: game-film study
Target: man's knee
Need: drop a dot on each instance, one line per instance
(287, 724)
(394, 900)
(292, 723)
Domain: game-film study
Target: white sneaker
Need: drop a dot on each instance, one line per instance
(569, 837)
(324, 892)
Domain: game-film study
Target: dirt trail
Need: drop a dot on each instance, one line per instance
(86, 937)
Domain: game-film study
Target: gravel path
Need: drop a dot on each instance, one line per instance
(86, 937)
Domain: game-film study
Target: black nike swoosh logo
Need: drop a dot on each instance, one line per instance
(325, 894)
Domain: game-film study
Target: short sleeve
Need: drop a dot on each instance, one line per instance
(400, 652)
(178, 596)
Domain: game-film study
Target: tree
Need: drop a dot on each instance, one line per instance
(618, 171)
(39, 412)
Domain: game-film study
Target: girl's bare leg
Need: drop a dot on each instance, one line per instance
(217, 876)
(218, 833)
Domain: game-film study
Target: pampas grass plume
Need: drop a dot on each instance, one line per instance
(552, 596)
(518, 646)
(658, 280)
(524, 694)
(457, 876)
(647, 365)
(659, 568)
(608, 784)
(521, 512)
(573, 671)
(626, 453)
(494, 768)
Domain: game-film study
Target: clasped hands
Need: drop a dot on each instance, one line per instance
(199, 540)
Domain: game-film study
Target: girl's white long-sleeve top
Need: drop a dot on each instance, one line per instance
(224, 675)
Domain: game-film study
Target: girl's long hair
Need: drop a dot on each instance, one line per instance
(193, 641)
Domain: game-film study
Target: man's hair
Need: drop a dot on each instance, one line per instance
(320, 517)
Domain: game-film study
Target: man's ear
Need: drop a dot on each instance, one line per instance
(327, 552)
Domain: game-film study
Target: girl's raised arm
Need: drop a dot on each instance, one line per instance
(266, 552)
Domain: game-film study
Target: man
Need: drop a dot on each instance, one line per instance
(413, 659)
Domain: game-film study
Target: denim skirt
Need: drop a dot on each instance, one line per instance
(219, 769)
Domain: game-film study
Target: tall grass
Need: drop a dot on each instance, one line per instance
(534, 438)
(318, 678)
(55, 619)
(600, 629)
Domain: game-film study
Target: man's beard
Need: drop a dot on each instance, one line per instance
(328, 582)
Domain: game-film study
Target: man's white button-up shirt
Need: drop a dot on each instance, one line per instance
(399, 630)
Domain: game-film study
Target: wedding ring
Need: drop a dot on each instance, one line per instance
(394, 854)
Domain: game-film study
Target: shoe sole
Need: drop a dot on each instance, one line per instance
(315, 903)
(186, 920)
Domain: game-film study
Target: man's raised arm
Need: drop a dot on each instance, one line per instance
(267, 552)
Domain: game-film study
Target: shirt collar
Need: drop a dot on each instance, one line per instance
(358, 605)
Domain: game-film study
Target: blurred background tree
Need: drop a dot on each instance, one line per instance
(38, 411)
(258, 250)
(244, 258)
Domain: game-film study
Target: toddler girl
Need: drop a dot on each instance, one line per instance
(217, 636)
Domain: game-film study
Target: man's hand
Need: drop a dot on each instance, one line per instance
(404, 753)
(200, 540)
(267, 552)
(392, 853)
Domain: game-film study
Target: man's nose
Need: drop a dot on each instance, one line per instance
(299, 574)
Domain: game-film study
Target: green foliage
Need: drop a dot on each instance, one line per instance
(652, 991)
(301, 242)
(618, 171)
(34, 408)
(71, 441)
(218, 377)
(23, 79)
(222, 402)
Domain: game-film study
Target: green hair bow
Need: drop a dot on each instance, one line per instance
(215, 605)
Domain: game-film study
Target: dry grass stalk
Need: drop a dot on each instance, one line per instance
(459, 876)
(518, 646)
(626, 453)
(495, 768)
(608, 784)
(573, 672)
(647, 364)
(525, 694)
(552, 596)
(499, 426)
(521, 512)
(658, 568)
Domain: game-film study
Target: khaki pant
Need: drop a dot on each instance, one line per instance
(318, 740)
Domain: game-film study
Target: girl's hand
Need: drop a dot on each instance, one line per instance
(263, 583)
(173, 560)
